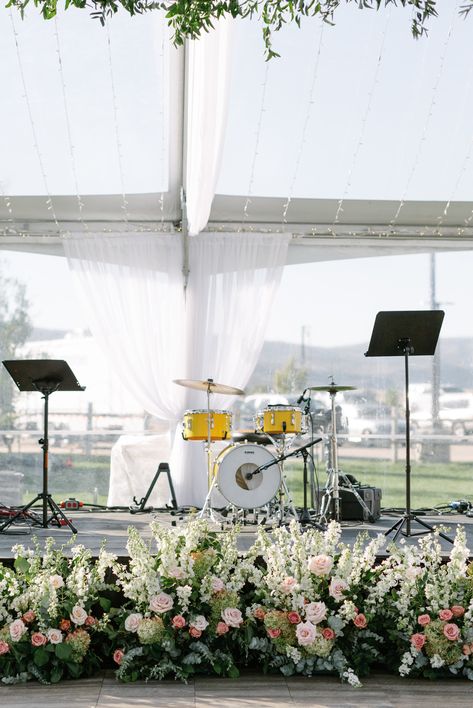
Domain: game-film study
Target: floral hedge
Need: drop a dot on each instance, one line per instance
(188, 602)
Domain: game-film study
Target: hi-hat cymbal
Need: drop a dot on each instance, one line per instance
(210, 386)
(332, 388)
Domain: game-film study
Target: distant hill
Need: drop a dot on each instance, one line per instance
(349, 366)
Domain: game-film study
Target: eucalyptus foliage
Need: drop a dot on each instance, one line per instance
(189, 18)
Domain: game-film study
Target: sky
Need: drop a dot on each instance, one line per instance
(336, 302)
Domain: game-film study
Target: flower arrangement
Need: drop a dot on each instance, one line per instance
(49, 613)
(183, 604)
(426, 607)
(309, 605)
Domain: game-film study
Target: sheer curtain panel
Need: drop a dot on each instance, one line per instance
(152, 331)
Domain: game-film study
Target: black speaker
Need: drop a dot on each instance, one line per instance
(350, 507)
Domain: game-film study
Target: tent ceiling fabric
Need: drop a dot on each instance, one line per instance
(358, 132)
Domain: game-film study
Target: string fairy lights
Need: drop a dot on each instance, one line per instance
(305, 126)
(364, 121)
(49, 200)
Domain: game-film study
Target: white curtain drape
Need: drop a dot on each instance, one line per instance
(208, 69)
(152, 333)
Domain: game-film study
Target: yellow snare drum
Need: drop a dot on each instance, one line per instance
(276, 420)
(195, 425)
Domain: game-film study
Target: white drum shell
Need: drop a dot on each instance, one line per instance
(231, 468)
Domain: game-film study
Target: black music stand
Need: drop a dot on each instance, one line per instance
(45, 376)
(407, 333)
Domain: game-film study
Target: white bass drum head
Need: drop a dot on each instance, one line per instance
(235, 463)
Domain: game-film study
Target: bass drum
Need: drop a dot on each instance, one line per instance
(232, 467)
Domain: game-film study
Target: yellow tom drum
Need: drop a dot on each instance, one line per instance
(195, 425)
(276, 420)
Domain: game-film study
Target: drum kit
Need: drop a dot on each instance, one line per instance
(247, 474)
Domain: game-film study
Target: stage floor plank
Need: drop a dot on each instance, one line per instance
(380, 691)
(94, 527)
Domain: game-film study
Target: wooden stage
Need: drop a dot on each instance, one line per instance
(95, 526)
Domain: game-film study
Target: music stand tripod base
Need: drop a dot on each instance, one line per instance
(46, 376)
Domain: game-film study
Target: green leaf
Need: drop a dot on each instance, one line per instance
(56, 673)
(74, 669)
(40, 657)
(63, 651)
(233, 671)
(21, 564)
(105, 604)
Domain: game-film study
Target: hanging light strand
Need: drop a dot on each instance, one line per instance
(80, 203)
(433, 103)
(125, 212)
(164, 69)
(304, 127)
(257, 143)
(364, 122)
(49, 200)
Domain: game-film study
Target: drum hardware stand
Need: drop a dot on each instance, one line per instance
(407, 333)
(313, 491)
(45, 376)
(331, 496)
(141, 508)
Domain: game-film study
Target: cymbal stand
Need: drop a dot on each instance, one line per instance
(284, 510)
(207, 511)
(331, 497)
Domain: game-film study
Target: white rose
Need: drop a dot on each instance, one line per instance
(78, 615)
(132, 622)
(288, 585)
(199, 623)
(337, 587)
(54, 635)
(217, 585)
(176, 572)
(315, 612)
(17, 630)
(161, 603)
(320, 565)
(232, 616)
(306, 633)
(56, 581)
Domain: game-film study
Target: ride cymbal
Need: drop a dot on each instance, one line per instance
(210, 386)
(332, 388)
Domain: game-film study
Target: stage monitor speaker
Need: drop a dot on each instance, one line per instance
(350, 507)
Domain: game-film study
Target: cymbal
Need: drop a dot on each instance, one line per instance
(332, 388)
(209, 385)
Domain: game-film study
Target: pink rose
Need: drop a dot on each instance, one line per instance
(222, 628)
(418, 641)
(4, 647)
(466, 649)
(288, 585)
(232, 617)
(445, 615)
(161, 603)
(17, 630)
(78, 615)
(315, 612)
(54, 635)
(38, 639)
(457, 610)
(194, 632)
(199, 622)
(320, 565)
(118, 655)
(274, 633)
(360, 621)
(423, 620)
(306, 633)
(29, 616)
(217, 585)
(65, 625)
(178, 622)
(293, 617)
(90, 621)
(451, 631)
(337, 588)
(259, 613)
(132, 622)
(328, 633)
